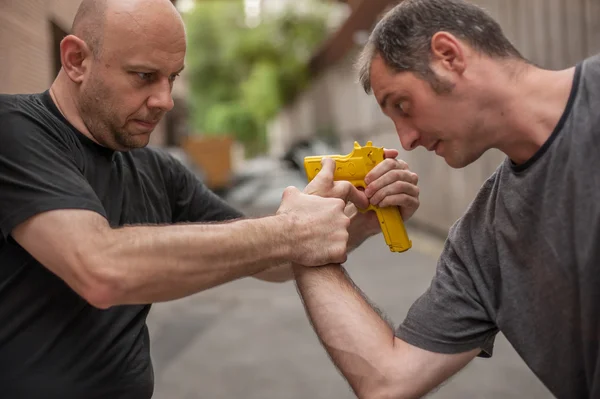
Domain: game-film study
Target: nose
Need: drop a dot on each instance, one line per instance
(409, 137)
(161, 97)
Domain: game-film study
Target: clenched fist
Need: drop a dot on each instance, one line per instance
(319, 226)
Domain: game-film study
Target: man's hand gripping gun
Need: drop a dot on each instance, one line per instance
(353, 168)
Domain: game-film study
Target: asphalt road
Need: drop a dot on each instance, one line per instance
(250, 339)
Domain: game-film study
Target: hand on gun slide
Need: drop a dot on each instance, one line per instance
(389, 183)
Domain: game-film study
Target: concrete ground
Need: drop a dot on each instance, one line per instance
(250, 339)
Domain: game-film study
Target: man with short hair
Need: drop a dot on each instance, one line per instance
(524, 259)
(95, 227)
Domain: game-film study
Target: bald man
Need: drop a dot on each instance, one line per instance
(95, 226)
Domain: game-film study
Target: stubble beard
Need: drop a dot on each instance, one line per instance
(99, 116)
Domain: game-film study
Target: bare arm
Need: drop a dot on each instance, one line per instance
(363, 346)
(144, 264)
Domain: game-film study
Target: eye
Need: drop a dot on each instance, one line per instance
(173, 77)
(403, 107)
(145, 76)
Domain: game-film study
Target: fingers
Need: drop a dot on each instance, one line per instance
(350, 210)
(388, 193)
(401, 200)
(383, 168)
(390, 153)
(323, 185)
(350, 193)
(391, 177)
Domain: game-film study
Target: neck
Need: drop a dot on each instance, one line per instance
(527, 109)
(65, 97)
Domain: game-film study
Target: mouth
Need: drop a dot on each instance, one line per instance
(146, 124)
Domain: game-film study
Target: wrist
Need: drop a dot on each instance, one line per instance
(361, 228)
(283, 225)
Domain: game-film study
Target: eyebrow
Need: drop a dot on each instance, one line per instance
(401, 96)
(383, 101)
(150, 68)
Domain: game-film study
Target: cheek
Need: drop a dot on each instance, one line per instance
(127, 104)
(430, 123)
(124, 98)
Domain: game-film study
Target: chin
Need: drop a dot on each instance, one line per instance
(141, 141)
(454, 163)
(459, 161)
(133, 142)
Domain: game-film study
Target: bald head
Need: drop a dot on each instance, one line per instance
(95, 17)
(88, 24)
(119, 67)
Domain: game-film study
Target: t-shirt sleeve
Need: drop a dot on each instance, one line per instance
(38, 172)
(450, 317)
(192, 201)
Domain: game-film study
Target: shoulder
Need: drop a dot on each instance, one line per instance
(592, 63)
(26, 112)
(589, 70)
(26, 121)
(24, 105)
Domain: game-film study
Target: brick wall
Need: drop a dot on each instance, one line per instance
(25, 46)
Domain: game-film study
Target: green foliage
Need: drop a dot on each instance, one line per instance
(241, 76)
(261, 92)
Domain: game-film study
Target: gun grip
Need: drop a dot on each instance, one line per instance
(392, 227)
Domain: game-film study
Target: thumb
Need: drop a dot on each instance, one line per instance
(356, 196)
(323, 181)
(327, 170)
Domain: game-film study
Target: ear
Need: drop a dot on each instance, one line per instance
(448, 51)
(75, 56)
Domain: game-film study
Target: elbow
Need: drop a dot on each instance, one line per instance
(99, 283)
(100, 297)
(386, 385)
(384, 390)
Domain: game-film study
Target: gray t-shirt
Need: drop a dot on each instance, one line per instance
(525, 258)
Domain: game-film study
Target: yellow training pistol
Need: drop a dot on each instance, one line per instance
(354, 167)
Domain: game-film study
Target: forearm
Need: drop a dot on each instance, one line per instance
(158, 263)
(356, 337)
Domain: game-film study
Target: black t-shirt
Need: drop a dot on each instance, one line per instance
(53, 344)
